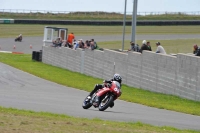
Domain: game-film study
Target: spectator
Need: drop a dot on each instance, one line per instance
(149, 46)
(92, 45)
(160, 49)
(144, 46)
(78, 45)
(70, 38)
(95, 46)
(195, 48)
(57, 42)
(82, 45)
(134, 47)
(196, 51)
(87, 44)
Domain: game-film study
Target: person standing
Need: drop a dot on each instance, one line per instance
(70, 38)
(160, 48)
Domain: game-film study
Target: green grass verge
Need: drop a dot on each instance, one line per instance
(73, 79)
(12, 30)
(13, 120)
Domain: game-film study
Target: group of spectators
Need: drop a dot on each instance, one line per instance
(91, 44)
(146, 46)
(88, 44)
(72, 43)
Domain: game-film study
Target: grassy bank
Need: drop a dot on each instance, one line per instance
(96, 16)
(20, 121)
(74, 79)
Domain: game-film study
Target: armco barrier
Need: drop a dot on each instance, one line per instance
(6, 21)
(110, 22)
(166, 74)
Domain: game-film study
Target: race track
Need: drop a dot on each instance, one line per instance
(24, 91)
(21, 90)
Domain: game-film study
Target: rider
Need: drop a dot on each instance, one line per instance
(116, 77)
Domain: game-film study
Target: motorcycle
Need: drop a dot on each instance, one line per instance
(18, 39)
(104, 97)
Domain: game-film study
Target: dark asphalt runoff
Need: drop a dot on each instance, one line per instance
(21, 90)
(7, 44)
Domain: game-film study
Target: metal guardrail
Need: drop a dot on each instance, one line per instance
(24, 11)
(109, 22)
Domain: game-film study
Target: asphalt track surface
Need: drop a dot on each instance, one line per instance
(24, 91)
(7, 44)
(21, 90)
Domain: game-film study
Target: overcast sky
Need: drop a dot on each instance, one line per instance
(103, 5)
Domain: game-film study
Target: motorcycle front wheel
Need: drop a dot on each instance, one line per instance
(106, 102)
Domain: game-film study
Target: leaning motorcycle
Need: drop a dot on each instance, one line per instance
(18, 39)
(104, 97)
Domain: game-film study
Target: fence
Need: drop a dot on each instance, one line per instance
(167, 74)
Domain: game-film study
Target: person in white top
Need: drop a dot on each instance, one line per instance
(160, 48)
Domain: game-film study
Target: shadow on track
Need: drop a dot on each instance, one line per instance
(110, 111)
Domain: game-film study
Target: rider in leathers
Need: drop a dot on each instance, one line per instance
(116, 77)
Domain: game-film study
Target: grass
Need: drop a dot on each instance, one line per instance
(13, 120)
(131, 94)
(12, 30)
(171, 46)
(96, 16)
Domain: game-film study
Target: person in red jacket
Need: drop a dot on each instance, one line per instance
(70, 38)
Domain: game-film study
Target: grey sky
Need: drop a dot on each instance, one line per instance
(102, 5)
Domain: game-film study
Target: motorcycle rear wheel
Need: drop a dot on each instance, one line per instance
(106, 102)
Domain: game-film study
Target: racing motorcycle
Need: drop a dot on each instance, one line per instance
(18, 39)
(104, 97)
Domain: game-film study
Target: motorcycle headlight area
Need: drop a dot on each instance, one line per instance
(116, 90)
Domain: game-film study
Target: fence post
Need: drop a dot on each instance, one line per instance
(82, 62)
